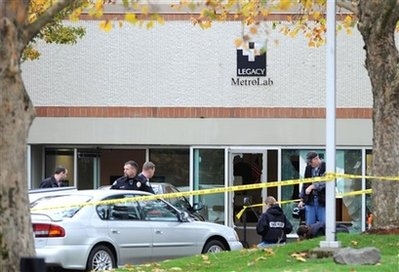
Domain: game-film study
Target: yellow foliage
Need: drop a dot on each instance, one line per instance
(74, 16)
(348, 21)
(144, 9)
(160, 20)
(265, 12)
(106, 26)
(307, 4)
(205, 24)
(285, 4)
(317, 15)
(238, 42)
(231, 3)
(310, 21)
(131, 18)
(150, 25)
(253, 30)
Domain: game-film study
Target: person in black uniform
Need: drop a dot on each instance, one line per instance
(146, 174)
(130, 180)
(273, 225)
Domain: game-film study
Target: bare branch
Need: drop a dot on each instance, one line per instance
(33, 29)
(350, 6)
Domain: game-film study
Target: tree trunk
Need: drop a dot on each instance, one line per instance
(377, 22)
(16, 115)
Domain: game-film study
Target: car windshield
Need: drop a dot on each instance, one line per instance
(59, 206)
(179, 202)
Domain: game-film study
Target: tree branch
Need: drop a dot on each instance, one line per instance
(350, 6)
(33, 29)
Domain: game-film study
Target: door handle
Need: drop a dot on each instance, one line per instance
(158, 231)
(114, 231)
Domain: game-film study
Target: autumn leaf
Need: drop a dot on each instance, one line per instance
(238, 42)
(285, 4)
(150, 25)
(106, 26)
(175, 269)
(131, 18)
(205, 257)
(301, 257)
(253, 30)
(262, 258)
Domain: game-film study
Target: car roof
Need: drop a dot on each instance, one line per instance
(99, 194)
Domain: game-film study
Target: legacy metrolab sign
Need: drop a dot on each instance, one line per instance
(251, 67)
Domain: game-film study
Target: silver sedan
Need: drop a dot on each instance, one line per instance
(104, 229)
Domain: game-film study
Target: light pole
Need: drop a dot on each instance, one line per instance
(330, 127)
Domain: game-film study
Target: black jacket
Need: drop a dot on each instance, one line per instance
(320, 190)
(273, 225)
(136, 183)
(146, 183)
(50, 182)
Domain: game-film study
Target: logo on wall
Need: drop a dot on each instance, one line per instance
(251, 62)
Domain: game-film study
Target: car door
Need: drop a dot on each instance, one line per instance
(132, 234)
(171, 238)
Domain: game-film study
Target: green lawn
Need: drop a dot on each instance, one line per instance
(291, 257)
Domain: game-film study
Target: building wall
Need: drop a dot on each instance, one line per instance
(199, 131)
(174, 82)
(181, 65)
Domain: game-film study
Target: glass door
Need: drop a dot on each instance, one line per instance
(88, 165)
(249, 166)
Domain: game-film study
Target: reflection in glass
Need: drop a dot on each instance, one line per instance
(209, 173)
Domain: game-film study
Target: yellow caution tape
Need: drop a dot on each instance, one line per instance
(326, 178)
(240, 213)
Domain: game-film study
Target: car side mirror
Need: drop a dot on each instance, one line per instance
(183, 217)
(198, 206)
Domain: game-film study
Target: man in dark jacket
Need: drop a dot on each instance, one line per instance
(317, 229)
(273, 225)
(60, 174)
(310, 231)
(130, 180)
(145, 176)
(313, 195)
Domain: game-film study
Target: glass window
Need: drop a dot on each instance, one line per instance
(172, 166)
(348, 208)
(209, 173)
(60, 156)
(53, 207)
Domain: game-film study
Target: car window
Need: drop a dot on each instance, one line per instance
(157, 210)
(121, 207)
(179, 202)
(53, 207)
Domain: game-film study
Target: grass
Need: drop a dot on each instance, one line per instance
(291, 257)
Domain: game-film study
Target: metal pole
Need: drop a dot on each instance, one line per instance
(244, 219)
(330, 127)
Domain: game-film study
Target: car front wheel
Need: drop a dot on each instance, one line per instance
(101, 258)
(213, 246)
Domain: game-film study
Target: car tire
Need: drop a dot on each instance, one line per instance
(101, 258)
(213, 246)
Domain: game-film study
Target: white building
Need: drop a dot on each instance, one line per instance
(173, 95)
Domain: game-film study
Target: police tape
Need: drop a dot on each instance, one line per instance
(348, 194)
(328, 177)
